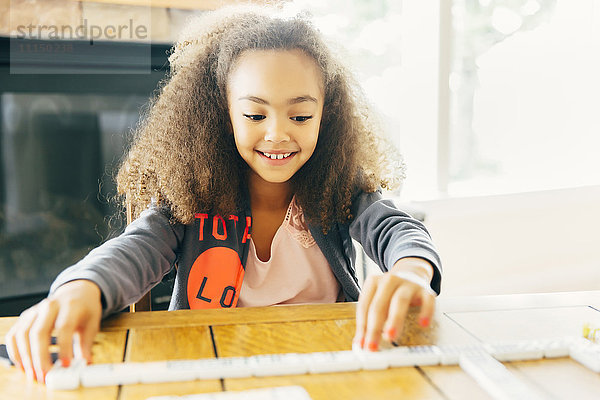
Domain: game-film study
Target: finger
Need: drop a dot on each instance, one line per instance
(22, 339)
(86, 339)
(378, 311)
(399, 306)
(427, 309)
(362, 308)
(416, 301)
(11, 347)
(39, 338)
(19, 328)
(65, 328)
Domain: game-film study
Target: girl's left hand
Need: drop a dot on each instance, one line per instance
(384, 301)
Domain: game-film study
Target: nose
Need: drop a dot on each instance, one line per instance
(277, 130)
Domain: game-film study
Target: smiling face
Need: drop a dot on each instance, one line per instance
(275, 100)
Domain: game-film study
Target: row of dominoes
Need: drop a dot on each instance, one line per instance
(78, 373)
(486, 370)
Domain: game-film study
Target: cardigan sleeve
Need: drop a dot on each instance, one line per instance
(388, 234)
(127, 266)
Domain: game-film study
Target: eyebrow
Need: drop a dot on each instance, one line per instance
(293, 100)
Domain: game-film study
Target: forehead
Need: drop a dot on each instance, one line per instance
(275, 72)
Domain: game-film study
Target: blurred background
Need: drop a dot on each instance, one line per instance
(494, 104)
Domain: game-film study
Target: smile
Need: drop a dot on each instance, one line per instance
(279, 156)
(276, 160)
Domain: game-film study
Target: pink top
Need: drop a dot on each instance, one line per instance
(296, 273)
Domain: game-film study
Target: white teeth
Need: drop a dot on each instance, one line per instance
(277, 156)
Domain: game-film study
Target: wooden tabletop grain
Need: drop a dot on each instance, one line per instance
(329, 327)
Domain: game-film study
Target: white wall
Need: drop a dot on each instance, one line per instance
(528, 242)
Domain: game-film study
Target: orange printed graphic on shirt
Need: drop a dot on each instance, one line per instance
(202, 217)
(215, 232)
(219, 226)
(215, 279)
(246, 234)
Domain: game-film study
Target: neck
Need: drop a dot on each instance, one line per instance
(270, 195)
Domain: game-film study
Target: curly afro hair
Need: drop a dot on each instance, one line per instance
(183, 155)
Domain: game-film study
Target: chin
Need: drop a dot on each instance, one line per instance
(277, 180)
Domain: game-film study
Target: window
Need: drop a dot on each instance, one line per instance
(524, 96)
(482, 97)
(393, 47)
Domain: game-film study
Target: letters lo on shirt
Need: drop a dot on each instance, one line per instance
(216, 275)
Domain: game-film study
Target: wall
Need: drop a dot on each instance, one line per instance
(528, 242)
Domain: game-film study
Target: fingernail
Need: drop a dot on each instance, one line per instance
(424, 322)
(373, 346)
(65, 362)
(391, 333)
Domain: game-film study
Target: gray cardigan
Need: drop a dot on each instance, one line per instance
(126, 267)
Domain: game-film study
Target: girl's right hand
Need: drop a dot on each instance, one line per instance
(75, 307)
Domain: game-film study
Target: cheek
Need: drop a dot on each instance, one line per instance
(310, 141)
(237, 129)
(239, 140)
(239, 146)
(243, 140)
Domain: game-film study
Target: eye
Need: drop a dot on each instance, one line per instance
(254, 117)
(301, 118)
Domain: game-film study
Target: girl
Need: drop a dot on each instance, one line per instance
(253, 170)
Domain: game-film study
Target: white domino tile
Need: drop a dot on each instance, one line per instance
(279, 364)
(63, 378)
(515, 351)
(111, 374)
(231, 367)
(373, 360)
(407, 356)
(556, 347)
(333, 361)
(449, 354)
(173, 371)
(586, 353)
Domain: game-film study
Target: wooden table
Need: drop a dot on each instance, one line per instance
(164, 335)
